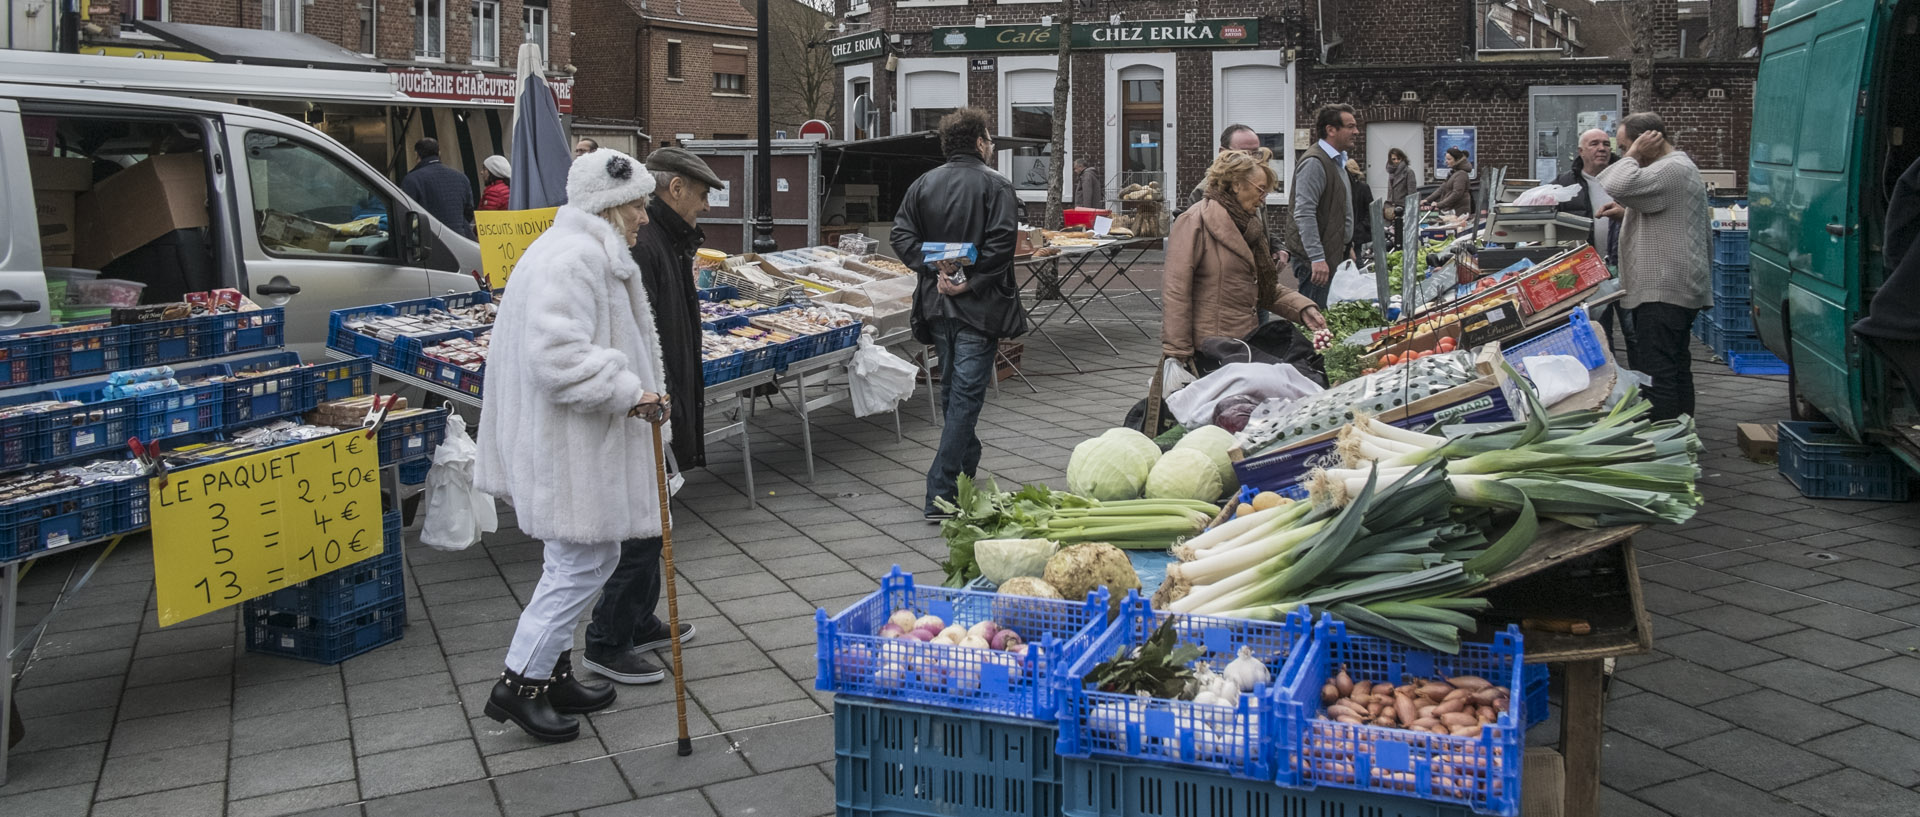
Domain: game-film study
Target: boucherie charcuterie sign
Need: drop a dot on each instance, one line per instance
(477, 87)
(1128, 34)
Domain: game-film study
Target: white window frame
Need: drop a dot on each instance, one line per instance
(372, 26)
(420, 9)
(668, 74)
(299, 12)
(1223, 60)
(527, 13)
(848, 75)
(474, 13)
(1048, 63)
(166, 14)
(745, 79)
(1169, 114)
(902, 109)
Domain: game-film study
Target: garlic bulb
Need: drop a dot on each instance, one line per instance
(1246, 671)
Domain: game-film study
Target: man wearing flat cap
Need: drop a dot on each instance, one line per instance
(624, 629)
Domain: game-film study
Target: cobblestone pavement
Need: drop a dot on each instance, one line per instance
(1783, 681)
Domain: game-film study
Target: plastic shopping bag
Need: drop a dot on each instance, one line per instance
(457, 512)
(1548, 194)
(877, 378)
(1350, 284)
(1557, 377)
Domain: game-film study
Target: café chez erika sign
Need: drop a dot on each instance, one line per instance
(863, 46)
(1131, 34)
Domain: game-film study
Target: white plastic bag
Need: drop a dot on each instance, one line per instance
(1173, 377)
(1548, 194)
(1557, 377)
(457, 513)
(1350, 284)
(1193, 405)
(877, 378)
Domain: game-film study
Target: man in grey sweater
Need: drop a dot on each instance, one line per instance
(1665, 255)
(1322, 226)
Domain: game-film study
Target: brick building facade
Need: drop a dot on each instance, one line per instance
(343, 23)
(1407, 67)
(670, 67)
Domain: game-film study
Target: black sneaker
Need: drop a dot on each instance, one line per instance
(937, 517)
(628, 667)
(660, 641)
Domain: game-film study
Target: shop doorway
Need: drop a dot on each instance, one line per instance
(1143, 126)
(1409, 137)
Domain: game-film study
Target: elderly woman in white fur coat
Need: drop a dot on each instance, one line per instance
(573, 380)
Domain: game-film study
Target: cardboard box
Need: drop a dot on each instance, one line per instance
(1493, 323)
(963, 252)
(127, 210)
(53, 210)
(1760, 442)
(1562, 278)
(60, 173)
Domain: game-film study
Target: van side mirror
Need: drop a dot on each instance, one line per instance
(416, 239)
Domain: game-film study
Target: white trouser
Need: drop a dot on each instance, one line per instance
(569, 578)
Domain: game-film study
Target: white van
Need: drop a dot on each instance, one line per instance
(184, 195)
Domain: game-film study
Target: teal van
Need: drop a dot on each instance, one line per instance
(1836, 120)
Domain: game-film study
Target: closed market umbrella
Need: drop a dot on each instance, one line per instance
(541, 155)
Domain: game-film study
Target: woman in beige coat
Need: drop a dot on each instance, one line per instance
(1219, 270)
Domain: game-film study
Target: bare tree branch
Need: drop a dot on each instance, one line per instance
(804, 77)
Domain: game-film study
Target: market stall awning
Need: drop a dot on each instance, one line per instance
(255, 47)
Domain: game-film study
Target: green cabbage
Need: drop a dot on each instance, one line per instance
(1185, 473)
(1108, 468)
(1004, 559)
(1141, 444)
(1216, 443)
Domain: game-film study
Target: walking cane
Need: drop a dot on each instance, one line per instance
(673, 598)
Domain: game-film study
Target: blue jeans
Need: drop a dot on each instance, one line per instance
(966, 369)
(1303, 272)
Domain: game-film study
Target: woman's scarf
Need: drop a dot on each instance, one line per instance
(1264, 271)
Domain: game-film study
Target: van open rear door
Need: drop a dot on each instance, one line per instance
(23, 282)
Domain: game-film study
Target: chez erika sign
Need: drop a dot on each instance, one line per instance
(1130, 34)
(479, 88)
(863, 46)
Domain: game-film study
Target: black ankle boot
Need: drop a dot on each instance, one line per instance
(572, 697)
(524, 701)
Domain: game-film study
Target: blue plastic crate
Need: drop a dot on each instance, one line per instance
(1106, 788)
(893, 760)
(1732, 315)
(841, 337)
(410, 356)
(1724, 342)
(719, 293)
(325, 641)
(1824, 463)
(19, 361)
(1756, 364)
(1317, 752)
(1237, 739)
(79, 354)
(343, 339)
(261, 396)
(82, 514)
(342, 379)
(352, 588)
(133, 506)
(182, 411)
(20, 434)
(415, 472)
(721, 369)
(405, 439)
(1577, 339)
(1535, 679)
(1732, 281)
(231, 332)
(1730, 247)
(462, 300)
(855, 660)
(98, 425)
(162, 342)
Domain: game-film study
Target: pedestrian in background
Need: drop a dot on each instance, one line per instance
(963, 312)
(1322, 224)
(1455, 194)
(1362, 210)
(1595, 153)
(1401, 183)
(1213, 280)
(584, 147)
(573, 382)
(624, 628)
(441, 189)
(494, 176)
(1666, 249)
(1088, 189)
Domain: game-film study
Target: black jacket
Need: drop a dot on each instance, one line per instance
(1362, 213)
(665, 255)
(1582, 204)
(963, 201)
(445, 192)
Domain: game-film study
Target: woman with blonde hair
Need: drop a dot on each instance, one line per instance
(573, 381)
(1219, 270)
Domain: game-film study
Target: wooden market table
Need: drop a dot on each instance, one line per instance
(1588, 575)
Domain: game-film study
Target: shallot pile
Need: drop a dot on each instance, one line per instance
(1457, 706)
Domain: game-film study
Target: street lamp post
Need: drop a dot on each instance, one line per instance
(763, 158)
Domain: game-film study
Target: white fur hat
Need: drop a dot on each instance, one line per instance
(498, 166)
(606, 178)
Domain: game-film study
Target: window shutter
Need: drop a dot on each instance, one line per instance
(1256, 96)
(730, 62)
(1030, 87)
(935, 89)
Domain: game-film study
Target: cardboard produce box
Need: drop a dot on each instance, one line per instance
(139, 204)
(1760, 441)
(1561, 278)
(60, 173)
(53, 211)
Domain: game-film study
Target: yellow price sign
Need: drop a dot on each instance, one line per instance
(504, 236)
(242, 528)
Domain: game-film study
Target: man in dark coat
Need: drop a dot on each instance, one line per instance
(624, 627)
(1892, 324)
(1595, 154)
(445, 192)
(962, 311)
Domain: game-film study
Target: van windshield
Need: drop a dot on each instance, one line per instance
(306, 202)
(126, 197)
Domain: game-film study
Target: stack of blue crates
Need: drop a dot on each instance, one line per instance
(1727, 327)
(335, 616)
